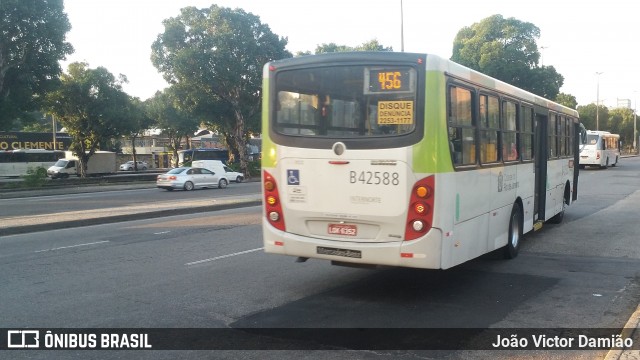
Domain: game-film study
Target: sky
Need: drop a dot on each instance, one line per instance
(579, 38)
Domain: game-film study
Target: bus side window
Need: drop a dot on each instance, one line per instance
(462, 136)
(489, 110)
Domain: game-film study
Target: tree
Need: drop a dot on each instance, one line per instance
(567, 100)
(139, 121)
(219, 53)
(91, 105)
(506, 49)
(31, 45)
(588, 116)
(372, 45)
(175, 122)
(620, 121)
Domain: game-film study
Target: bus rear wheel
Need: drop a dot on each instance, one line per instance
(514, 234)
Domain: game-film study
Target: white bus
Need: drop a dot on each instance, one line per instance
(14, 163)
(602, 149)
(402, 159)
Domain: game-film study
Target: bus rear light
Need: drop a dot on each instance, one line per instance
(417, 226)
(422, 191)
(406, 255)
(268, 185)
(273, 209)
(420, 214)
(420, 208)
(278, 243)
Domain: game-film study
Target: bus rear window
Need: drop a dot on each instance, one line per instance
(346, 101)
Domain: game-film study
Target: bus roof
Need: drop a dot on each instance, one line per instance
(433, 63)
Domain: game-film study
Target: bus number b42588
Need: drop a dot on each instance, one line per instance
(374, 177)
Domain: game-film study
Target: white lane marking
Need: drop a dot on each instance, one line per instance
(224, 256)
(161, 232)
(72, 246)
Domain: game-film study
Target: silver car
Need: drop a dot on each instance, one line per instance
(189, 178)
(129, 166)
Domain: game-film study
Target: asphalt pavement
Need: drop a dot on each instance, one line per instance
(12, 225)
(68, 219)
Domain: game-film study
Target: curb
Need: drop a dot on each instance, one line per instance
(630, 331)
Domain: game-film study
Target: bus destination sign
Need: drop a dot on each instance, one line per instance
(389, 80)
(379, 81)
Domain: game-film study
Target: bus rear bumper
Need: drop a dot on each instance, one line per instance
(424, 252)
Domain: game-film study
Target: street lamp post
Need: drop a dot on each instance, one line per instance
(598, 102)
(635, 115)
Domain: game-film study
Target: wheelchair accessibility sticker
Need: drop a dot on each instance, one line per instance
(293, 177)
(295, 192)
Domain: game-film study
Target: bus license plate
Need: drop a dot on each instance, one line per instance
(343, 229)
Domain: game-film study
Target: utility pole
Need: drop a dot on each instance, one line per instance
(598, 102)
(635, 115)
(401, 28)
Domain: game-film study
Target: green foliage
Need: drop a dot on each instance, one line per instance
(35, 177)
(620, 121)
(588, 116)
(372, 45)
(91, 105)
(31, 45)
(175, 122)
(215, 56)
(506, 49)
(253, 166)
(567, 100)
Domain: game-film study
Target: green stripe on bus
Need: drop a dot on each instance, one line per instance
(432, 155)
(269, 158)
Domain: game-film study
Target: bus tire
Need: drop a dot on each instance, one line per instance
(606, 165)
(515, 233)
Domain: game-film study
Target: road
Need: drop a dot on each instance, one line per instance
(207, 270)
(120, 195)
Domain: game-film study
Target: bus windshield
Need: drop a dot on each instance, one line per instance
(351, 101)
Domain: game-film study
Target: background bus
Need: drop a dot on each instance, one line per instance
(408, 160)
(14, 163)
(601, 149)
(185, 157)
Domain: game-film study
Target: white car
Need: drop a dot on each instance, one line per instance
(128, 166)
(233, 175)
(189, 178)
(218, 166)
